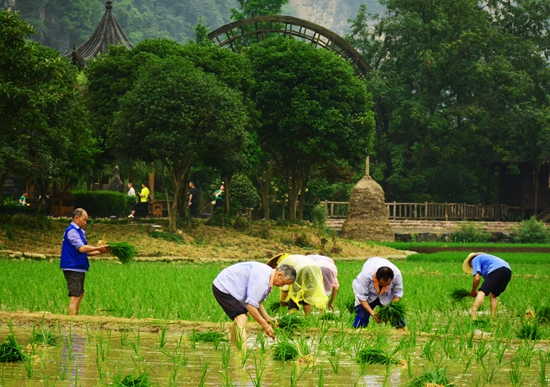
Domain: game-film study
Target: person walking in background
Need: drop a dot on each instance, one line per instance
(241, 288)
(193, 200)
(218, 198)
(74, 258)
(379, 283)
(131, 190)
(23, 200)
(142, 206)
(496, 273)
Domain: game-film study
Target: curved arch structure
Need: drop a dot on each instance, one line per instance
(258, 28)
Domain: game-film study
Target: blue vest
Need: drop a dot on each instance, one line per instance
(71, 258)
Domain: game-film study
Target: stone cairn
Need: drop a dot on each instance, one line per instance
(368, 216)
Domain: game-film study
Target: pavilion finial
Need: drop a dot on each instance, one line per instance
(109, 4)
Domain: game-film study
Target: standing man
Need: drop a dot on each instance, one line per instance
(379, 283)
(241, 288)
(142, 206)
(496, 273)
(193, 200)
(74, 258)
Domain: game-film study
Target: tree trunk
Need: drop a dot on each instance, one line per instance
(264, 189)
(226, 178)
(3, 178)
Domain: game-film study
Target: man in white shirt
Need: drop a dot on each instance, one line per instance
(379, 283)
(131, 190)
(241, 288)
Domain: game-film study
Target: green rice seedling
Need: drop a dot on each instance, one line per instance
(529, 331)
(274, 307)
(542, 372)
(44, 338)
(226, 378)
(124, 251)
(208, 337)
(259, 369)
(320, 376)
(482, 348)
(291, 322)
(226, 355)
(284, 350)
(204, 370)
(489, 371)
(28, 363)
(334, 361)
(10, 351)
(295, 376)
(481, 324)
(373, 356)
(543, 314)
(142, 380)
(162, 336)
(459, 294)
(428, 350)
(515, 373)
(526, 353)
(431, 377)
(329, 317)
(394, 312)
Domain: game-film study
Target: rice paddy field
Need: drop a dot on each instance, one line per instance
(157, 324)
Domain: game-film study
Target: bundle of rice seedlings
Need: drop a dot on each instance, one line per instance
(284, 350)
(372, 356)
(10, 351)
(208, 337)
(434, 377)
(124, 251)
(459, 294)
(393, 313)
(274, 307)
(543, 314)
(350, 306)
(134, 381)
(330, 317)
(44, 338)
(481, 324)
(529, 331)
(291, 322)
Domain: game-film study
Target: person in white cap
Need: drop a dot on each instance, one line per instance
(496, 273)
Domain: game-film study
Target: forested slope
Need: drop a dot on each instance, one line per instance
(59, 23)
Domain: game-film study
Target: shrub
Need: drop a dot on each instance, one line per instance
(103, 204)
(530, 231)
(319, 217)
(34, 221)
(468, 232)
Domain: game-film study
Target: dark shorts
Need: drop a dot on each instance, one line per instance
(293, 305)
(496, 281)
(75, 282)
(230, 305)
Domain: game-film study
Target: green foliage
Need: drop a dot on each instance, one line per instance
(28, 222)
(372, 356)
(319, 217)
(243, 192)
(10, 351)
(124, 251)
(469, 232)
(542, 314)
(167, 236)
(103, 204)
(394, 312)
(208, 337)
(302, 240)
(530, 231)
(284, 350)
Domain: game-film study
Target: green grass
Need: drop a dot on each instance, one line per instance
(477, 246)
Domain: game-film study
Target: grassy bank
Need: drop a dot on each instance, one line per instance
(195, 239)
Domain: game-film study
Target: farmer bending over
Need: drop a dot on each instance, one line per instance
(379, 283)
(241, 288)
(496, 273)
(74, 258)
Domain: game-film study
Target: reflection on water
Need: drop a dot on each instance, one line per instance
(92, 358)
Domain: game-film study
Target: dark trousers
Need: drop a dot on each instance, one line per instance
(362, 317)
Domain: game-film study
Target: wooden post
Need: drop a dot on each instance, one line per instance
(367, 166)
(152, 183)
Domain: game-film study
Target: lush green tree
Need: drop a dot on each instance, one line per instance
(44, 132)
(313, 109)
(253, 8)
(173, 114)
(456, 87)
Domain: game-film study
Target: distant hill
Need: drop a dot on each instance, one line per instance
(59, 23)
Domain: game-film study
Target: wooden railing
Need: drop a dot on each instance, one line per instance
(428, 211)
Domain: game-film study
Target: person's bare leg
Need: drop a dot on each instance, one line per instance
(307, 309)
(477, 303)
(494, 302)
(238, 331)
(74, 304)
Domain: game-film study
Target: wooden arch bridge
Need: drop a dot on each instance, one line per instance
(236, 35)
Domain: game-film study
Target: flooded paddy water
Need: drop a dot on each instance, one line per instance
(94, 357)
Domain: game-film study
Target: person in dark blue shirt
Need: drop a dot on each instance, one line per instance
(496, 273)
(74, 258)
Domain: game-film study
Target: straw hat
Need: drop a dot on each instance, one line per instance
(466, 264)
(274, 261)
